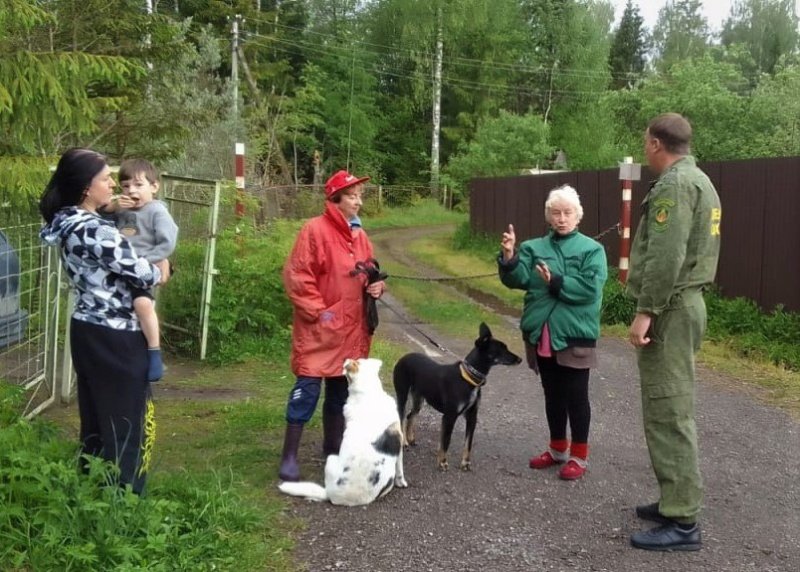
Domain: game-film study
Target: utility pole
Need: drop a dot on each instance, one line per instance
(148, 43)
(437, 100)
(235, 63)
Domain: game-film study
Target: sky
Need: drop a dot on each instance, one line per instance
(715, 11)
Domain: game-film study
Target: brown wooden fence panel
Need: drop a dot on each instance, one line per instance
(587, 183)
(780, 274)
(609, 197)
(760, 257)
(741, 192)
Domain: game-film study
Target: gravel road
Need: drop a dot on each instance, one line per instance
(503, 516)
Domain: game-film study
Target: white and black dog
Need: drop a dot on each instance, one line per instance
(370, 460)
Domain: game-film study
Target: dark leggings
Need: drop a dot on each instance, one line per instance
(566, 397)
(114, 401)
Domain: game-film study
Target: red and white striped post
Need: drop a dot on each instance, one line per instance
(239, 168)
(628, 172)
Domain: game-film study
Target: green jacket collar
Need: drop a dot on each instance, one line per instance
(555, 236)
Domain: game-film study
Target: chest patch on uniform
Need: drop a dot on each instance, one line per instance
(663, 209)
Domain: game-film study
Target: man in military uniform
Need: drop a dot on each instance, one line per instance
(673, 258)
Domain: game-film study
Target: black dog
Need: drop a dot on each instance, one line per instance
(453, 389)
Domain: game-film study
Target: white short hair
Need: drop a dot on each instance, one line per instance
(563, 194)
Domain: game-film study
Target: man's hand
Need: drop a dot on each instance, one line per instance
(508, 242)
(639, 328)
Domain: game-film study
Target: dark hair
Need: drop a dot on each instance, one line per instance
(131, 168)
(74, 173)
(673, 130)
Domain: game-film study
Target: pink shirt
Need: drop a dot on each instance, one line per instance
(543, 347)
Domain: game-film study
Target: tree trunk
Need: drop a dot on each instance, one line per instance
(437, 101)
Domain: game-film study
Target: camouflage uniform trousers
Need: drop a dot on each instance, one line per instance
(666, 369)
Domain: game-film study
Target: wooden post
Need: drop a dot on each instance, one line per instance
(628, 172)
(239, 168)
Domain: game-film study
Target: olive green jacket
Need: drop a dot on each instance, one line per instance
(570, 303)
(676, 246)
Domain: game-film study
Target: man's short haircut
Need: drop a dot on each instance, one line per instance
(130, 168)
(674, 132)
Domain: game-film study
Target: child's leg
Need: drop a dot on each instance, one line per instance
(146, 312)
(148, 320)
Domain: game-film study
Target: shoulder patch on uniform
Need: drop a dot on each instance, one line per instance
(662, 209)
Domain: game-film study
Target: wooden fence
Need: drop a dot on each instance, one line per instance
(760, 256)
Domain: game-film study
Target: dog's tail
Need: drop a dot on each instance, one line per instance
(305, 489)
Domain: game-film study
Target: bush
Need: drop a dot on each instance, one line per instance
(618, 307)
(250, 313)
(54, 518)
(740, 323)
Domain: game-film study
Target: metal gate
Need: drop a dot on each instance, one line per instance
(32, 306)
(184, 304)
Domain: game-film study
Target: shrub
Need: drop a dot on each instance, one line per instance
(618, 308)
(250, 313)
(54, 518)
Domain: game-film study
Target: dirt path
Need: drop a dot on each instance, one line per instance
(504, 517)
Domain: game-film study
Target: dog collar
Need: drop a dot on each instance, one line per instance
(471, 375)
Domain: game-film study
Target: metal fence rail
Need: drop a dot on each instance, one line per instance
(31, 310)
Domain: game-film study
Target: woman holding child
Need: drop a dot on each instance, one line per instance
(109, 351)
(563, 275)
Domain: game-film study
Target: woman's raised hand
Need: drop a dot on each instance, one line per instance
(508, 242)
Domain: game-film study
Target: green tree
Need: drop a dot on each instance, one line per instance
(775, 111)
(50, 97)
(681, 32)
(629, 48)
(481, 45)
(503, 145)
(708, 92)
(767, 28)
(567, 45)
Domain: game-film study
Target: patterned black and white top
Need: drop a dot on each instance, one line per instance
(101, 265)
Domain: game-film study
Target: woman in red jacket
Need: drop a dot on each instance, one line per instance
(330, 322)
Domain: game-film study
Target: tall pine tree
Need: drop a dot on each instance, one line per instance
(628, 49)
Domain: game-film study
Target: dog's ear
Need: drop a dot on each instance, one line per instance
(484, 332)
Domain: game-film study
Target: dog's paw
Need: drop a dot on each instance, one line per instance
(466, 466)
(400, 482)
(443, 465)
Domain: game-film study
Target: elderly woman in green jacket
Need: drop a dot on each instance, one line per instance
(562, 274)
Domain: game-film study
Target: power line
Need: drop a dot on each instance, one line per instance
(458, 60)
(419, 76)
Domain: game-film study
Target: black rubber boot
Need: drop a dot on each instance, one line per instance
(290, 470)
(332, 432)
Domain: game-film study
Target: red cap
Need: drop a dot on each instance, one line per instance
(340, 181)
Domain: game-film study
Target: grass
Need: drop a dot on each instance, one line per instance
(434, 303)
(218, 441)
(421, 212)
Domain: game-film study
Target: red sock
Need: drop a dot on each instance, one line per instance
(560, 445)
(580, 450)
